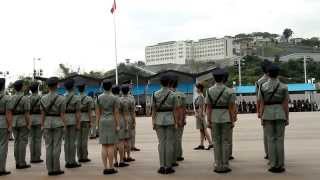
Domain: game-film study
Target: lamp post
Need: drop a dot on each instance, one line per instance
(34, 68)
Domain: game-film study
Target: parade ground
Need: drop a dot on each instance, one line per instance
(302, 145)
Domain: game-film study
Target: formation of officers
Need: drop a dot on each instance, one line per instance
(217, 111)
(71, 117)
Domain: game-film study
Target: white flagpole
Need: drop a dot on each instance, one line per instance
(115, 46)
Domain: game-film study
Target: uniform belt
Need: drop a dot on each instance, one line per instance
(53, 115)
(18, 113)
(220, 107)
(272, 103)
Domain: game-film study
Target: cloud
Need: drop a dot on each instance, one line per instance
(80, 32)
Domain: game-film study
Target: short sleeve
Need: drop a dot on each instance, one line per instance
(62, 105)
(286, 92)
(10, 104)
(232, 98)
(91, 103)
(207, 99)
(26, 105)
(259, 97)
(78, 104)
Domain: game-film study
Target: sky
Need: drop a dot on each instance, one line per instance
(80, 33)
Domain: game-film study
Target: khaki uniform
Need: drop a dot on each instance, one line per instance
(221, 123)
(53, 128)
(133, 129)
(274, 118)
(19, 105)
(165, 125)
(35, 131)
(93, 131)
(108, 134)
(83, 134)
(4, 133)
(259, 84)
(181, 103)
(73, 104)
(201, 122)
(125, 112)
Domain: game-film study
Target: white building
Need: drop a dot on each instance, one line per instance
(180, 52)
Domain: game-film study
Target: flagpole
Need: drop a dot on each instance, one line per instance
(115, 46)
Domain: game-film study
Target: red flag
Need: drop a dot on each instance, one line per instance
(114, 7)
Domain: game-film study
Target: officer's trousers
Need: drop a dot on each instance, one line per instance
(221, 137)
(179, 151)
(4, 139)
(275, 130)
(265, 140)
(35, 143)
(70, 148)
(53, 140)
(133, 137)
(21, 135)
(166, 140)
(82, 142)
(231, 142)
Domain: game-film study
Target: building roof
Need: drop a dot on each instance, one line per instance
(297, 87)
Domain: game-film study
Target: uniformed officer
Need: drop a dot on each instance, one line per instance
(53, 121)
(234, 114)
(73, 115)
(19, 107)
(133, 130)
(181, 121)
(35, 132)
(259, 83)
(119, 148)
(85, 125)
(201, 122)
(5, 128)
(93, 131)
(220, 102)
(164, 123)
(127, 111)
(275, 115)
(107, 113)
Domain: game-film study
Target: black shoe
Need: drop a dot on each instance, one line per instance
(130, 159)
(5, 173)
(180, 159)
(135, 149)
(200, 147)
(223, 171)
(175, 164)
(84, 160)
(266, 157)
(116, 164)
(110, 171)
(231, 158)
(93, 137)
(56, 173)
(23, 167)
(71, 166)
(162, 170)
(36, 162)
(170, 171)
(122, 164)
(277, 170)
(209, 147)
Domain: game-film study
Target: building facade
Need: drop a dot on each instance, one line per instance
(181, 52)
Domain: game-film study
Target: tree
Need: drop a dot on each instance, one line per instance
(66, 71)
(287, 33)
